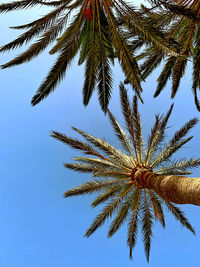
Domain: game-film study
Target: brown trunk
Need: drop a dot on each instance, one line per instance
(173, 188)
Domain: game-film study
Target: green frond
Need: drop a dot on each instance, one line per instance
(85, 37)
(157, 207)
(179, 167)
(179, 215)
(196, 68)
(177, 9)
(116, 155)
(98, 162)
(128, 116)
(18, 5)
(137, 130)
(73, 30)
(158, 136)
(53, 3)
(128, 63)
(90, 70)
(57, 72)
(168, 170)
(89, 150)
(47, 20)
(147, 222)
(108, 211)
(40, 45)
(105, 81)
(151, 62)
(183, 131)
(146, 30)
(111, 173)
(165, 75)
(123, 212)
(176, 142)
(91, 187)
(177, 74)
(82, 168)
(150, 142)
(36, 28)
(123, 138)
(168, 151)
(104, 86)
(133, 224)
(106, 195)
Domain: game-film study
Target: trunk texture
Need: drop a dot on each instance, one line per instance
(173, 188)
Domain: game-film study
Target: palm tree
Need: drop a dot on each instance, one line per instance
(138, 181)
(183, 28)
(94, 29)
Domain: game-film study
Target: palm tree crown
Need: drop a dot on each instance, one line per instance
(94, 29)
(185, 29)
(116, 173)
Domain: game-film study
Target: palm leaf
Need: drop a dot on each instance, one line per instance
(122, 213)
(123, 138)
(88, 150)
(157, 207)
(133, 224)
(116, 155)
(157, 136)
(57, 72)
(40, 45)
(91, 187)
(146, 222)
(107, 211)
(165, 75)
(179, 215)
(106, 195)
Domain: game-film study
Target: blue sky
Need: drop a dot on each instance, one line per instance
(38, 227)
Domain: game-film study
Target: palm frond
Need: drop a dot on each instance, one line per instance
(88, 150)
(37, 27)
(177, 74)
(128, 63)
(157, 207)
(179, 167)
(152, 60)
(57, 72)
(104, 82)
(123, 138)
(168, 151)
(146, 222)
(101, 144)
(106, 195)
(183, 131)
(157, 136)
(98, 162)
(133, 224)
(40, 45)
(176, 8)
(137, 130)
(179, 215)
(128, 116)
(18, 5)
(91, 187)
(196, 68)
(107, 211)
(123, 213)
(165, 75)
(111, 173)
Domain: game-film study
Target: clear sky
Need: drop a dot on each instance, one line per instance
(38, 227)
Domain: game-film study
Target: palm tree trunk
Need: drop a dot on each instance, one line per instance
(172, 188)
